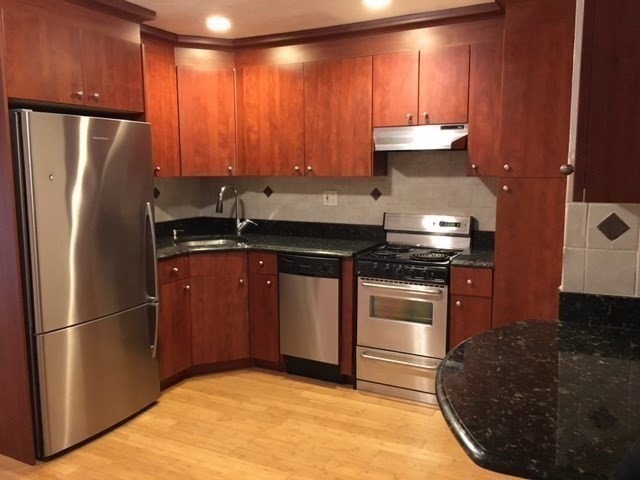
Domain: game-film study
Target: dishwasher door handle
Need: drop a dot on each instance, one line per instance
(416, 290)
(369, 356)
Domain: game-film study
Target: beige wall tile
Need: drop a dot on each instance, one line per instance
(575, 231)
(600, 211)
(610, 272)
(573, 270)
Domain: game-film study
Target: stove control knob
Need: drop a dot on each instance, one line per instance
(399, 271)
(375, 268)
(411, 272)
(387, 269)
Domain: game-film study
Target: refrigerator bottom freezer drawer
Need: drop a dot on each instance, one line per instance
(94, 375)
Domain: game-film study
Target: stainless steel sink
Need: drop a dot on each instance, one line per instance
(212, 242)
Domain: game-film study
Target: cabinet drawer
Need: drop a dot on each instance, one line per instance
(261, 262)
(173, 269)
(203, 264)
(476, 282)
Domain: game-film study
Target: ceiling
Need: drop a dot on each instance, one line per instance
(251, 18)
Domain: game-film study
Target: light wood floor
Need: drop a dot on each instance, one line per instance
(251, 424)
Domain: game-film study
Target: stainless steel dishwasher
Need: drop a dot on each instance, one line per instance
(309, 291)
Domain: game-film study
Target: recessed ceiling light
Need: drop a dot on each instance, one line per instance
(218, 24)
(377, 4)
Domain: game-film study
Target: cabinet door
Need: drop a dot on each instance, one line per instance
(485, 80)
(43, 56)
(161, 110)
(444, 85)
(395, 89)
(112, 72)
(219, 318)
(270, 120)
(469, 316)
(338, 135)
(536, 88)
(174, 329)
(263, 317)
(528, 249)
(207, 121)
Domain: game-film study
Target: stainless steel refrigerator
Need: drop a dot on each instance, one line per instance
(85, 193)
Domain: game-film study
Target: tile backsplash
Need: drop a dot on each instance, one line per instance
(602, 249)
(417, 182)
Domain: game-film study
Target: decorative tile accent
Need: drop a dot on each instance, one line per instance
(267, 191)
(375, 194)
(613, 227)
(156, 192)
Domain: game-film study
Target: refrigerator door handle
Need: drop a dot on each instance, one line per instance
(154, 346)
(151, 250)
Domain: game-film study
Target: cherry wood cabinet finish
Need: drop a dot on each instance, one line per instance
(444, 85)
(347, 317)
(16, 424)
(161, 102)
(206, 109)
(536, 88)
(469, 316)
(219, 318)
(608, 150)
(174, 329)
(485, 91)
(201, 264)
(337, 100)
(172, 269)
(263, 262)
(395, 89)
(264, 320)
(477, 282)
(528, 249)
(270, 120)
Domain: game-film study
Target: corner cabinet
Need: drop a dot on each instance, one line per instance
(337, 117)
(206, 106)
(83, 58)
(270, 120)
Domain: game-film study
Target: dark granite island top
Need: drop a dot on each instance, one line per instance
(547, 400)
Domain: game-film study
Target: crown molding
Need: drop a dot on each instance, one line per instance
(119, 8)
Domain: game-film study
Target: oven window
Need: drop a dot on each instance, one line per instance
(401, 309)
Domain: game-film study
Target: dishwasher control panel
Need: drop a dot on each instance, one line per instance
(309, 266)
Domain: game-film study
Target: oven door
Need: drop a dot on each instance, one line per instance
(402, 316)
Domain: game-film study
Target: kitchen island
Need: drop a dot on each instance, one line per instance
(547, 400)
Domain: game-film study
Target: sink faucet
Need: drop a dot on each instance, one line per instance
(240, 225)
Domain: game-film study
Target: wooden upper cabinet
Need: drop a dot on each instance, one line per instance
(161, 98)
(338, 129)
(395, 89)
(64, 59)
(608, 145)
(485, 80)
(536, 88)
(444, 85)
(271, 120)
(206, 105)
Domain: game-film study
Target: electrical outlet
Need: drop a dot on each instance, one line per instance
(330, 197)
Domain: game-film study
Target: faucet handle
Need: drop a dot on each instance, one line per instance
(241, 225)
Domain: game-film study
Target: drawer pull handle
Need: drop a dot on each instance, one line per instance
(397, 362)
(469, 282)
(261, 263)
(187, 287)
(268, 283)
(241, 281)
(416, 291)
(458, 303)
(174, 269)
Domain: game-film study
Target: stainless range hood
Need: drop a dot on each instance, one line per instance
(421, 137)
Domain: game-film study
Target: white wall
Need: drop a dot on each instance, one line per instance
(417, 182)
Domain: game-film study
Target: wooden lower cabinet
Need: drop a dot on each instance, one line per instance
(174, 330)
(470, 313)
(264, 322)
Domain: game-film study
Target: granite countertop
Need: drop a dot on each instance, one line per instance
(547, 400)
(277, 243)
(474, 258)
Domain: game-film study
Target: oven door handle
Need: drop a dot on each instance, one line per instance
(419, 290)
(367, 355)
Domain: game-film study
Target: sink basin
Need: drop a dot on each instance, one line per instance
(212, 242)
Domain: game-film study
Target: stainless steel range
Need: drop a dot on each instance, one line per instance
(403, 297)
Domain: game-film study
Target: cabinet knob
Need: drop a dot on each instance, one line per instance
(95, 96)
(469, 281)
(296, 168)
(187, 287)
(409, 118)
(230, 168)
(506, 188)
(241, 281)
(309, 168)
(474, 166)
(79, 94)
(566, 169)
(156, 170)
(268, 283)
(506, 167)
(458, 303)
(425, 115)
(174, 269)
(261, 263)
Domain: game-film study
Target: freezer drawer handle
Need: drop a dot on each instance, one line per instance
(397, 362)
(428, 291)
